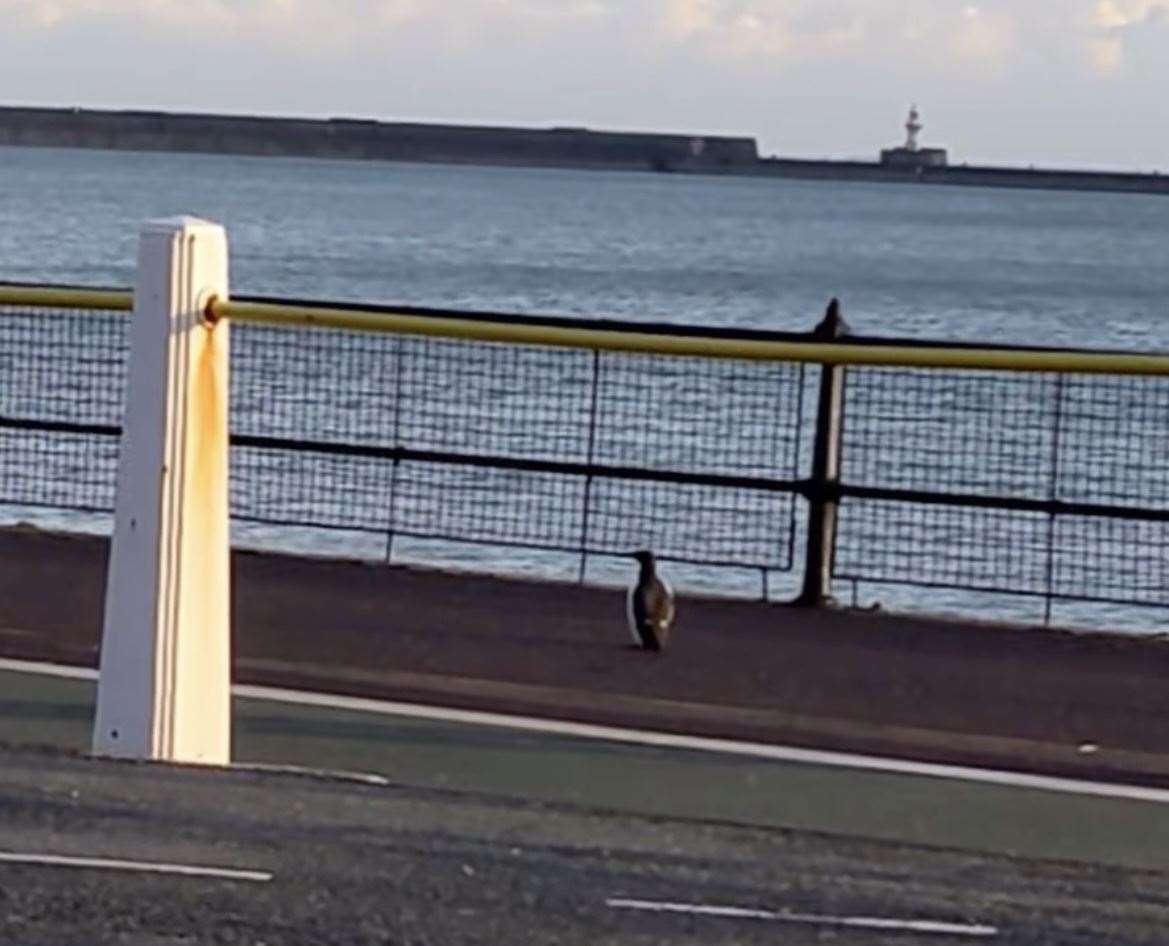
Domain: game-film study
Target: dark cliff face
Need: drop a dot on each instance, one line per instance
(342, 138)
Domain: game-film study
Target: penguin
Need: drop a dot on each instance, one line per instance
(650, 606)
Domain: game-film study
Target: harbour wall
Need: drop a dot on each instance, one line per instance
(371, 140)
(964, 175)
(579, 148)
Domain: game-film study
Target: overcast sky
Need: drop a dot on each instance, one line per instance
(1066, 82)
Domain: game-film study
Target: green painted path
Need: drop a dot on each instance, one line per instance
(41, 710)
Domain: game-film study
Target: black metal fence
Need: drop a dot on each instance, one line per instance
(62, 386)
(546, 448)
(1035, 484)
(1054, 486)
(575, 451)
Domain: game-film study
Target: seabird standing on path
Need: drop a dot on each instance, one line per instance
(650, 606)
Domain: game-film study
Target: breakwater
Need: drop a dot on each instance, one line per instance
(968, 175)
(371, 140)
(575, 148)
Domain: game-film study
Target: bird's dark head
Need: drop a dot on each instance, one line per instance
(645, 557)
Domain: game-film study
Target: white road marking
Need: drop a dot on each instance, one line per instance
(335, 775)
(48, 670)
(146, 867)
(930, 927)
(661, 740)
(657, 740)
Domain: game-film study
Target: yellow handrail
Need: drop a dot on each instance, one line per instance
(520, 333)
(50, 297)
(524, 333)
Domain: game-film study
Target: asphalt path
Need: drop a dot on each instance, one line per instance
(472, 833)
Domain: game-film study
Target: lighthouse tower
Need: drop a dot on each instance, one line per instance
(913, 128)
(911, 155)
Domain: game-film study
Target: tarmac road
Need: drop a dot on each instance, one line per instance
(482, 835)
(354, 864)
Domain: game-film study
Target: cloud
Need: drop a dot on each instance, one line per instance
(1119, 14)
(754, 28)
(980, 36)
(991, 37)
(991, 34)
(1114, 26)
(316, 21)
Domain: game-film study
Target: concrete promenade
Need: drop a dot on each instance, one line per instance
(1041, 701)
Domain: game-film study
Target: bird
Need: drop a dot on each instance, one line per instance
(650, 605)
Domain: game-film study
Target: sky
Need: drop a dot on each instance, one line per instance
(1075, 83)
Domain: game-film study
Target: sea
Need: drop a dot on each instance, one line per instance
(1021, 267)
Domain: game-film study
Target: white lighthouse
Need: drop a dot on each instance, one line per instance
(911, 155)
(913, 128)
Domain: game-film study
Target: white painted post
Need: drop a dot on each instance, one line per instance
(164, 692)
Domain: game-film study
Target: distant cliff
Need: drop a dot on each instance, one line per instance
(517, 147)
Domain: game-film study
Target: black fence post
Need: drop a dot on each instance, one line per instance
(822, 501)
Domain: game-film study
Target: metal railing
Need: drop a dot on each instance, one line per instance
(1040, 473)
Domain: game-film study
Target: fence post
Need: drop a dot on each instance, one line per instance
(822, 504)
(164, 690)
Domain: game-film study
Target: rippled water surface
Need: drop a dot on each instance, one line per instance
(1022, 266)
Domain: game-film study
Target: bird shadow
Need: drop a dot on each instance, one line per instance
(638, 649)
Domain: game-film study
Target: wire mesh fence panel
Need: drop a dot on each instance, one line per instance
(314, 386)
(296, 487)
(506, 401)
(299, 400)
(62, 387)
(1114, 442)
(463, 440)
(699, 415)
(508, 444)
(945, 546)
(946, 435)
(692, 523)
(1113, 452)
(58, 470)
(702, 417)
(1114, 560)
(481, 504)
(974, 432)
(63, 365)
(1089, 453)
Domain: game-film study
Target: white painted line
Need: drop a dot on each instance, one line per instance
(661, 740)
(930, 927)
(47, 670)
(658, 740)
(334, 775)
(146, 867)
